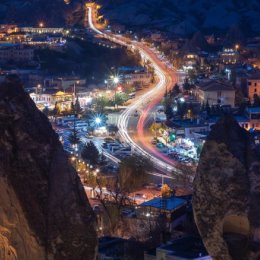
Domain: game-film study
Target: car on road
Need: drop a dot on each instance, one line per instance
(160, 145)
(154, 141)
(104, 146)
(136, 114)
(131, 95)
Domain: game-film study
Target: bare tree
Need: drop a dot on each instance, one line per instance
(183, 176)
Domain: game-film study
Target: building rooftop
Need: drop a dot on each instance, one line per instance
(214, 118)
(188, 247)
(131, 69)
(255, 76)
(241, 119)
(69, 78)
(186, 123)
(254, 109)
(170, 204)
(215, 85)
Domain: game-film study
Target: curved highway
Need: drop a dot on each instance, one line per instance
(159, 160)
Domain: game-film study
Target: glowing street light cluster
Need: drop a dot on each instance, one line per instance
(98, 120)
(116, 80)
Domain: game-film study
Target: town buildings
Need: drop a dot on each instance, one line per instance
(38, 37)
(42, 30)
(64, 83)
(135, 76)
(229, 56)
(9, 28)
(142, 78)
(51, 97)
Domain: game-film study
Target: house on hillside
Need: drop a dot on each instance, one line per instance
(215, 92)
(253, 86)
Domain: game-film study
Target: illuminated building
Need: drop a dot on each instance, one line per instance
(253, 86)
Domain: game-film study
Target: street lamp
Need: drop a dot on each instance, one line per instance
(98, 120)
(41, 24)
(74, 160)
(106, 82)
(115, 81)
(39, 88)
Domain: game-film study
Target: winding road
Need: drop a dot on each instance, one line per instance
(140, 143)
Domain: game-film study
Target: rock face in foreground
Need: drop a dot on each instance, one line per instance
(44, 212)
(226, 199)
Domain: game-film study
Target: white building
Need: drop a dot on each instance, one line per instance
(112, 118)
(41, 30)
(44, 99)
(188, 128)
(215, 92)
(143, 78)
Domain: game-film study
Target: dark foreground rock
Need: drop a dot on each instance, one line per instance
(226, 199)
(44, 212)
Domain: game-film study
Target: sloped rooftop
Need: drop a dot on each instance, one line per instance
(215, 85)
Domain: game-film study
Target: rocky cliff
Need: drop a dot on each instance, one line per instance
(226, 199)
(44, 212)
(185, 16)
(51, 12)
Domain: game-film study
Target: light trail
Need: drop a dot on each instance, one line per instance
(90, 22)
(124, 117)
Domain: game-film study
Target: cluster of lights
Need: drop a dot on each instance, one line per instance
(98, 120)
(115, 79)
(89, 166)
